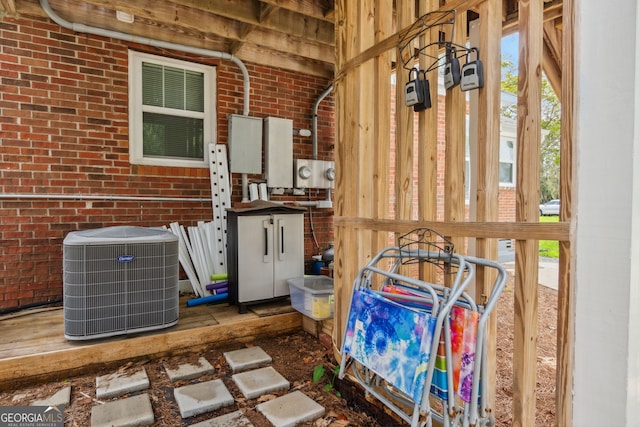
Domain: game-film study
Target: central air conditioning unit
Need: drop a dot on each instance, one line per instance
(119, 280)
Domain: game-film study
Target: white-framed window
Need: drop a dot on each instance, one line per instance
(172, 117)
(507, 162)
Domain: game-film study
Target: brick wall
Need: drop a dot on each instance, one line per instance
(64, 136)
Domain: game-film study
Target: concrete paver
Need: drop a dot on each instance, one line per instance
(246, 358)
(260, 381)
(195, 399)
(128, 412)
(198, 398)
(232, 419)
(291, 409)
(61, 397)
(187, 371)
(120, 383)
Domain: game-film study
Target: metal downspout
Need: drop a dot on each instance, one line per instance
(81, 28)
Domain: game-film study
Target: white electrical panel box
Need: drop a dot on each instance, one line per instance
(278, 152)
(245, 144)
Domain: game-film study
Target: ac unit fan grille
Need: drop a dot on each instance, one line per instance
(106, 296)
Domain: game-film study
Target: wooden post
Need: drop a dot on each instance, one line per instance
(404, 127)
(345, 157)
(566, 277)
(488, 181)
(365, 165)
(428, 145)
(455, 142)
(527, 201)
(382, 128)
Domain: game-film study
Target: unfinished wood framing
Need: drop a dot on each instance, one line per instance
(404, 128)
(428, 146)
(487, 179)
(455, 142)
(346, 92)
(366, 133)
(351, 222)
(527, 200)
(566, 274)
(383, 23)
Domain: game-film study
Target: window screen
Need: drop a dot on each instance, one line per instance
(175, 131)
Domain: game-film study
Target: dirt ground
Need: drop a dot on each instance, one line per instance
(295, 357)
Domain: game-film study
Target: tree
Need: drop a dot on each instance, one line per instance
(550, 123)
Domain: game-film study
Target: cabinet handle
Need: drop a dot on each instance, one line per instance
(281, 239)
(266, 242)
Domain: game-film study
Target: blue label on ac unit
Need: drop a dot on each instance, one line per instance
(125, 258)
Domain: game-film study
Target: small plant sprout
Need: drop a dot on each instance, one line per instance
(319, 372)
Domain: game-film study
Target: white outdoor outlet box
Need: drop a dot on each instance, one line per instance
(245, 144)
(278, 158)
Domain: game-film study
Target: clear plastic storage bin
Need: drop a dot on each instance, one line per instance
(312, 296)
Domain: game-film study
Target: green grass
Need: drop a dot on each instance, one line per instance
(549, 248)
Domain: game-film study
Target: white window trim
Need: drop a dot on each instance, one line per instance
(135, 110)
(512, 162)
(508, 133)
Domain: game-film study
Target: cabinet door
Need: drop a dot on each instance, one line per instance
(255, 258)
(289, 254)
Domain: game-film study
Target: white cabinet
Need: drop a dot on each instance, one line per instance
(265, 247)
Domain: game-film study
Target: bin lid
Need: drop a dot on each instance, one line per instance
(313, 284)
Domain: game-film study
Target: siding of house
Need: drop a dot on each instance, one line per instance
(64, 134)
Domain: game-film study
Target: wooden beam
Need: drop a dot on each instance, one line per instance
(428, 145)
(365, 126)
(404, 129)
(77, 359)
(285, 21)
(488, 161)
(552, 11)
(392, 41)
(311, 8)
(552, 56)
(146, 26)
(294, 46)
(383, 24)
(486, 230)
(260, 55)
(455, 141)
(164, 15)
(265, 12)
(567, 264)
(345, 267)
(8, 6)
(527, 201)
(262, 46)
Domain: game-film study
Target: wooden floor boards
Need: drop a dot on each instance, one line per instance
(33, 347)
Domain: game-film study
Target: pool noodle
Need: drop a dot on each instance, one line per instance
(218, 285)
(207, 299)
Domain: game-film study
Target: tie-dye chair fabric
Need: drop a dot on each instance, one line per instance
(392, 340)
